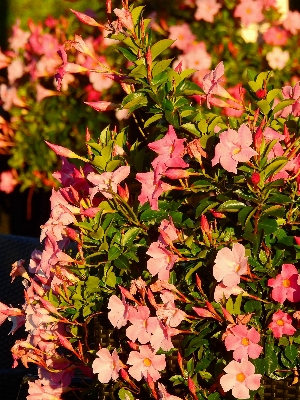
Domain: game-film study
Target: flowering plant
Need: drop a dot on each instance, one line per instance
(184, 239)
(255, 34)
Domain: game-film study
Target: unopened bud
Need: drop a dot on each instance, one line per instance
(261, 93)
(255, 178)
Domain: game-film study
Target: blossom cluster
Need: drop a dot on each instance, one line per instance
(181, 239)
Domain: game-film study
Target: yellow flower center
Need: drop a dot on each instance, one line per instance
(147, 362)
(286, 283)
(245, 341)
(236, 151)
(237, 268)
(248, 11)
(280, 322)
(240, 377)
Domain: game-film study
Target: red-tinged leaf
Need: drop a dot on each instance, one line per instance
(85, 18)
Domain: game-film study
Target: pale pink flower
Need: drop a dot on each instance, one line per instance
(291, 93)
(4, 60)
(122, 114)
(230, 265)
(15, 70)
(285, 285)
(250, 11)
(168, 312)
(281, 324)
(292, 22)
(236, 110)
(207, 9)
(42, 93)
(275, 36)
(162, 260)
(240, 378)
(168, 232)
(100, 81)
(234, 147)
(170, 150)
(107, 181)
(9, 97)
(223, 291)
(161, 338)
(143, 326)
(182, 35)
(8, 182)
(19, 38)
(152, 188)
(145, 363)
(38, 391)
(244, 342)
(164, 395)
(125, 18)
(212, 84)
(107, 365)
(197, 57)
(277, 58)
(118, 314)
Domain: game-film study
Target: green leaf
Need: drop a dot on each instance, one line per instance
(269, 225)
(161, 66)
(136, 13)
(112, 165)
(291, 352)
(129, 236)
(191, 128)
(231, 206)
(139, 71)
(160, 46)
(271, 361)
(111, 280)
(152, 119)
(134, 99)
(114, 253)
(122, 262)
(127, 53)
(237, 304)
(274, 166)
(280, 106)
(125, 394)
(204, 206)
(229, 306)
(272, 94)
(264, 106)
(188, 88)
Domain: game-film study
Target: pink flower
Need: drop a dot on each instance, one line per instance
(168, 312)
(292, 22)
(152, 188)
(277, 58)
(125, 18)
(240, 378)
(19, 37)
(281, 324)
(162, 260)
(285, 285)
(7, 182)
(107, 181)
(145, 363)
(107, 365)
(276, 36)
(206, 10)
(37, 391)
(250, 11)
(290, 93)
(164, 395)
(212, 84)
(170, 150)
(243, 342)
(168, 232)
(182, 35)
(197, 57)
(118, 314)
(234, 147)
(230, 265)
(142, 324)
(15, 70)
(223, 291)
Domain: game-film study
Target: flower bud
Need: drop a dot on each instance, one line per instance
(261, 93)
(255, 178)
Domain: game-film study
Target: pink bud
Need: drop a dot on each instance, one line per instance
(204, 224)
(255, 178)
(174, 173)
(192, 388)
(85, 18)
(297, 240)
(217, 214)
(61, 151)
(90, 212)
(48, 306)
(287, 138)
(261, 93)
(179, 68)
(102, 105)
(72, 234)
(258, 138)
(124, 193)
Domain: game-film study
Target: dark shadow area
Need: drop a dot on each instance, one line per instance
(294, 5)
(3, 23)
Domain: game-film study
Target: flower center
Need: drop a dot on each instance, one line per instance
(240, 377)
(245, 341)
(237, 268)
(248, 11)
(236, 151)
(147, 362)
(280, 322)
(286, 283)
